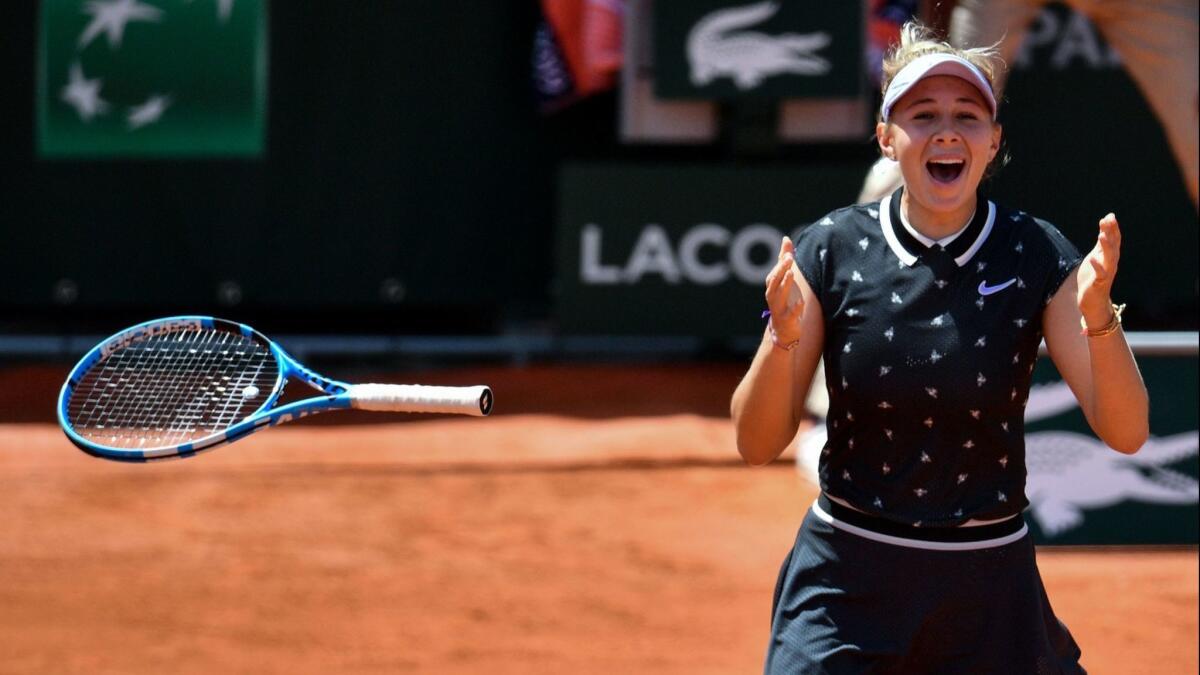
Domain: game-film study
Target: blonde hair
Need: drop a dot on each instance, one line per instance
(917, 40)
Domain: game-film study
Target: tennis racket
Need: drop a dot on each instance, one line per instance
(177, 386)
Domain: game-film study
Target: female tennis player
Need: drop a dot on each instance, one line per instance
(928, 307)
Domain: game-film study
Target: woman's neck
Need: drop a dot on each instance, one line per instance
(936, 224)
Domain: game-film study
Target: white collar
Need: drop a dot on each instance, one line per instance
(944, 241)
(889, 234)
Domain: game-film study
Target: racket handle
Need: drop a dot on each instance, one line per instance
(421, 398)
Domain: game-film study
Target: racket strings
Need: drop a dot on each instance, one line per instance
(173, 388)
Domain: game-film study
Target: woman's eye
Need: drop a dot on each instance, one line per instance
(923, 116)
(967, 116)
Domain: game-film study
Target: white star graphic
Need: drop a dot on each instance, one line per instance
(148, 112)
(84, 94)
(110, 16)
(224, 9)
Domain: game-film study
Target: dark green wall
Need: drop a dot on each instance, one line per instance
(403, 143)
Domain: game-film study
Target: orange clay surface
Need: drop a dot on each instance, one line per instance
(599, 522)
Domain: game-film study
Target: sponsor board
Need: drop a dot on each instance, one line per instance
(680, 250)
(720, 49)
(129, 78)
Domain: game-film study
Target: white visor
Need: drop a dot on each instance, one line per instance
(935, 64)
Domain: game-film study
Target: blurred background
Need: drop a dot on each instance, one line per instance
(542, 193)
(513, 171)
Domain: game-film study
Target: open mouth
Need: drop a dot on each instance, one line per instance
(945, 170)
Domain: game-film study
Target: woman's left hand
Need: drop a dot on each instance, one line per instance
(1097, 272)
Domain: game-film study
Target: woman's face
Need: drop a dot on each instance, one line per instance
(942, 134)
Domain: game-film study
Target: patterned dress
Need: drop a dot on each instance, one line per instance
(929, 354)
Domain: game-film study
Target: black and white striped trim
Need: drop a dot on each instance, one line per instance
(906, 257)
(997, 534)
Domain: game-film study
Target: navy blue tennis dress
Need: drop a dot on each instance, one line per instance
(929, 354)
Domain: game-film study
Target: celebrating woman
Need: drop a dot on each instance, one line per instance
(928, 308)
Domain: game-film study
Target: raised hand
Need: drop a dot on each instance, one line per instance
(783, 295)
(1097, 272)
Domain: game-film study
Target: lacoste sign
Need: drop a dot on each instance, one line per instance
(680, 249)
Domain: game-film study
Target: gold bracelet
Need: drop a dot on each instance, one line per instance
(1111, 327)
(776, 343)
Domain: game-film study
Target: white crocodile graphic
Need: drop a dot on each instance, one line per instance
(1070, 473)
(716, 48)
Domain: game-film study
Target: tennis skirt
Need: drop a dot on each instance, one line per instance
(860, 595)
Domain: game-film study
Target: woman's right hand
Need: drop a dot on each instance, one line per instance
(783, 295)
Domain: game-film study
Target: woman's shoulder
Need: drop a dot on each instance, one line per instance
(844, 222)
(1033, 234)
(1021, 223)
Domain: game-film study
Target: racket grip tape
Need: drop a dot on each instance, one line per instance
(419, 398)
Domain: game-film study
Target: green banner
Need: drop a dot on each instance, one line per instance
(723, 49)
(1082, 492)
(135, 78)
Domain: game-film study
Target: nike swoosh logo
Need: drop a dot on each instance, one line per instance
(984, 289)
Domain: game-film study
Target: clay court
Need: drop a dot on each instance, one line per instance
(599, 522)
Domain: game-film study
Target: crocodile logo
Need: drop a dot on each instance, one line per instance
(717, 46)
(1070, 473)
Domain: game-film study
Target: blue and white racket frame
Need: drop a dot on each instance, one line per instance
(337, 393)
